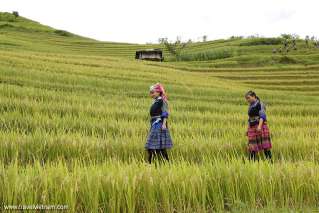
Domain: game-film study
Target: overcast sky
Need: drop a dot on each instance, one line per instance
(141, 21)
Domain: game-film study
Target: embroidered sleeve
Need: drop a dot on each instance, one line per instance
(262, 112)
(164, 110)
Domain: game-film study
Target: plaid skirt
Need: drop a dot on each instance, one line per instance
(158, 138)
(258, 140)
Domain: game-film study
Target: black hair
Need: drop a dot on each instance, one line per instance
(252, 94)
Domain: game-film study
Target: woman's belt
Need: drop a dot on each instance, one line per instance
(253, 120)
(156, 121)
(155, 117)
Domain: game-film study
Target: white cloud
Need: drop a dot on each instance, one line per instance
(146, 20)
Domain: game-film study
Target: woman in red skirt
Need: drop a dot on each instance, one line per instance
(258, 131)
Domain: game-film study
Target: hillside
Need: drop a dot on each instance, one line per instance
(295, 71)
(74, 119)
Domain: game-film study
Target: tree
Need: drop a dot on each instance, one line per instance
(287, 36)
(286, 45)
(236, 37)
(314, 41)
(307, 41)
(162, 40)
(253, 36)
(294, 43)
(15, 13)
(175, 48)
(204, 38)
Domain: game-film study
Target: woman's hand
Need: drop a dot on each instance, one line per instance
(164, 126)
(261, 121)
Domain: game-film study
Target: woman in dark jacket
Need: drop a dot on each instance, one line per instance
(159, 138)
(258, 131)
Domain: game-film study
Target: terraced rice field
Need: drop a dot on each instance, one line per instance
(74, 119)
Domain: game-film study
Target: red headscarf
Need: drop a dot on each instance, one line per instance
(160, 89)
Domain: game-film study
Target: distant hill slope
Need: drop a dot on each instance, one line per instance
(235, 59)
(22, 33)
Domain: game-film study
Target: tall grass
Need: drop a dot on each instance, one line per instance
(261, 41)
(206, 55)
(180, 187)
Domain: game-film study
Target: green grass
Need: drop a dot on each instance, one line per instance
(206, 55)
(74, 119)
